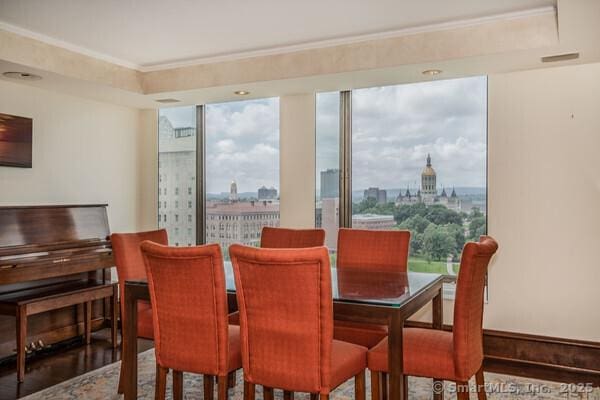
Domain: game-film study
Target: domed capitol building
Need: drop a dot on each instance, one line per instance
(428, 193)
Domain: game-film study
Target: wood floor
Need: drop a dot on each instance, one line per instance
(48, 370)
(51, 369)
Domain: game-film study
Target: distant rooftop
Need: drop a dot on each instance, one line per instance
(372, 217)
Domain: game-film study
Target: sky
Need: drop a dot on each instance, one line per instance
(242, 143)
(395, 127)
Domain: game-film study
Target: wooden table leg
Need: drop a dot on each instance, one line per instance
(114, 306)
(438, 323)
(129, 360)
(396, 357)
(87, 322)
(21, 341)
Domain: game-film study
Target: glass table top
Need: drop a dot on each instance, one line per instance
(362, 285)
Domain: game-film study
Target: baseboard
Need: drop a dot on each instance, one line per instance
(550, 356)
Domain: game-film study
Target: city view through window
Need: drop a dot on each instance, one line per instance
(241, 169)
(418, 163)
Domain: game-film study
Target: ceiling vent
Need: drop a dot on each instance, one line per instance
(560, 57)
(24, 76)
(167, 101)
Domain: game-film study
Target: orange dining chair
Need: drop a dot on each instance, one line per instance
(286, 322)
(130, 266)
(453, 356)
(189, 317)
(277, 238)
(384, 250)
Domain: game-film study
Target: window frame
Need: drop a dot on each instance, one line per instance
(345, 167)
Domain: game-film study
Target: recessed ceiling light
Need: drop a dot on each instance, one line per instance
(24, 76)
(167, 101)
(432, 72)
(241, 92)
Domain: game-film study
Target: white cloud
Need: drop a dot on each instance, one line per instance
(395, 127)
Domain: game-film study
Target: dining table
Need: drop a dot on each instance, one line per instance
(368, 295)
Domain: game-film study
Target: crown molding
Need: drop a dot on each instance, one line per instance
(67, 46)
(463, 23)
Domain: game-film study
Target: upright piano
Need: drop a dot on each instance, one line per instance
(52, 247)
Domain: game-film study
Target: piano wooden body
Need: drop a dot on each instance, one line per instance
(45, 246)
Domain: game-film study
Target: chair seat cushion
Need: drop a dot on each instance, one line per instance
(427, 353)
(234, 361)
(144, 320)
(347, 360)
(367, 335)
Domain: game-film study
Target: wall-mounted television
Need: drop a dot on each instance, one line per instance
(16, 138)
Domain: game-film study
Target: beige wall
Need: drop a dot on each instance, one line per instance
(544, 201)
(544, 198)
(83, 152)
(297, 160)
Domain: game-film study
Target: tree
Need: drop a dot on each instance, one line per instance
(441, 215)
(458, 233)
(438, 243)
(360, 208)
(416, 223)
(406, 211)
(475, 213)
(477, 227)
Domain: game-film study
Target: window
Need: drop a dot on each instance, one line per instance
(327, 168)
(177, 161)
(418, 162)
(241, 167)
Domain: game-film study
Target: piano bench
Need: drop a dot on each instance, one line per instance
(26, 302)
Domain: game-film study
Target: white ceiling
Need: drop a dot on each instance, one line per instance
(152, 33)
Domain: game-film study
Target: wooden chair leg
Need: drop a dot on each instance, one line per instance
(375, 385)
(177, 385)
(249, 391)
(232, 380)
(223, 386)
(267, 393)
(480, 382)
(114, 326)
(208, 387)
(438, 389)
(160, 389)
(87, 321)
(21, 341)
(405, 386)
(324, 396)
(462, 390)
(384, 386)
(359, 386)
(314, 396)
(287, 395)
(121, 388)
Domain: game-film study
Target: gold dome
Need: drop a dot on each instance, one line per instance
(428, 171)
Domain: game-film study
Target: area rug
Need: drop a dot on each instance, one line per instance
(101, 384)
